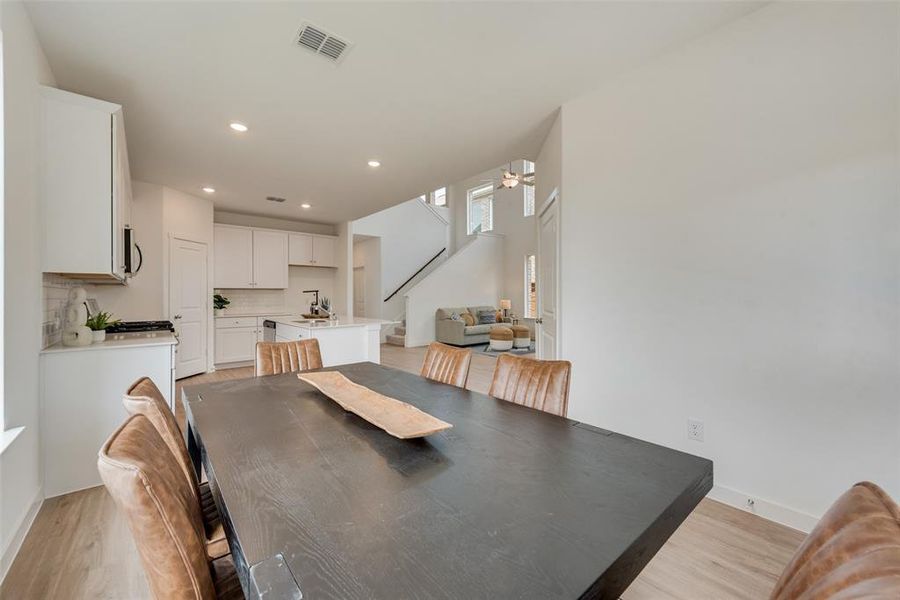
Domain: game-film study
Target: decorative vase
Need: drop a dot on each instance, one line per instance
(98, 335)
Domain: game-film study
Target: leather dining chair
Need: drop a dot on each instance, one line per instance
(447, 364)
(150, 490)
(273, 358)
(853, 552)
(144, 398)
(540, 384)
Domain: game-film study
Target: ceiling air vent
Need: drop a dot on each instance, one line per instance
(274, 199)
(321, 42)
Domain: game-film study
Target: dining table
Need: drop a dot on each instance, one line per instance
(510, 502)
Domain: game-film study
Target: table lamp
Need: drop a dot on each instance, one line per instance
(505, 305)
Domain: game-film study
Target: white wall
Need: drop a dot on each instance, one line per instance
(519, 231)
(342, 298)
(232, 218)
(730, 253)
(24, 67)
(411, 235)
(471, 277)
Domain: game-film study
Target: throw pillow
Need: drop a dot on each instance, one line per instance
(499, 316)
(468, 319)
(487, 317)
(455, 317)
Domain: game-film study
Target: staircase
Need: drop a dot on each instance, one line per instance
(398, 338)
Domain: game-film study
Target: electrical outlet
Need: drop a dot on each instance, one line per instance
(695, 429)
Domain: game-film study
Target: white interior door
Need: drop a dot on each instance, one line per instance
(188, 305)
(359, 291)
(547, 323)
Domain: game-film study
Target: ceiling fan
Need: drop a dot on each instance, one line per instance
(509, 179)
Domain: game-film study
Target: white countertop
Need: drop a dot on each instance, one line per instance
(342, 321)
(244, 313)
(114, 341)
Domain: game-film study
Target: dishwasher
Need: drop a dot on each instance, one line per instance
(268, 331)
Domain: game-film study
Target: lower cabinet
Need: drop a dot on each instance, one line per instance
(237, 344)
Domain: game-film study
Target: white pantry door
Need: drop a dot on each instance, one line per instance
(547, 323)
(188, 305)
(359, 291)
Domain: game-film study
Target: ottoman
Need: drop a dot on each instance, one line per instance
(501, 338)
(521, 336)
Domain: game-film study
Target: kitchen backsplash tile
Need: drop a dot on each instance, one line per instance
(56, 294)
(254, 301)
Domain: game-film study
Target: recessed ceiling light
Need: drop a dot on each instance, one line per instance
(374, 163)
(209, 190)
(238, 126)
(305, 205)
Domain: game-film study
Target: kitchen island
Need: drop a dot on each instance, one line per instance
(342, 341)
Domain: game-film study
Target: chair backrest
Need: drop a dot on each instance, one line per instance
(540, 384)
(150, 490)
(144, 398)
(853, 552)
(447, 364)
(273, 358)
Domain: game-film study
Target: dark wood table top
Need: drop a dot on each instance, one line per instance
(509, 503)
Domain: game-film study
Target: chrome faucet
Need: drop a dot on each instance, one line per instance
(314, 306)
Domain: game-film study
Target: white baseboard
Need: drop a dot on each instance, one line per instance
(764, 508)
(9, 554)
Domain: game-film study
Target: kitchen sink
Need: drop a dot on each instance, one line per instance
(313, 321)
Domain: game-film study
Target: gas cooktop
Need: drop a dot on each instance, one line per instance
(140, 326)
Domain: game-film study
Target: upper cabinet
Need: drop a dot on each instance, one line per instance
(312, 250)
(270, 259)
(85, 186)
(250, 258)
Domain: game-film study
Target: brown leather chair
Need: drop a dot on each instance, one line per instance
(540, 384)
(151, 491)
(273, 358)
(144, 398)
(854, 551)
(447, 364)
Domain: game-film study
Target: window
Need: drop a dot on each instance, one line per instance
(438, 197)
(529, 191)
(530, 287)
(481, 209)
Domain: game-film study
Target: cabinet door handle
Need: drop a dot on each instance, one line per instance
(176, 317)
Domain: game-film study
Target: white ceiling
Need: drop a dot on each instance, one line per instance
(435, 91)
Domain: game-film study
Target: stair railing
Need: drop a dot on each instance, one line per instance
(413, 276)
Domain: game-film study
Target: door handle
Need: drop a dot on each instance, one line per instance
(539, 321)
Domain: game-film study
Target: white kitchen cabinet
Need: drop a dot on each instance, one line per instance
(323, 251)
(233, 247)
(248, 258)
(301, 249)
(270, 259)
(85, 186)
(312, 250)
(81, 402)
(236, 344)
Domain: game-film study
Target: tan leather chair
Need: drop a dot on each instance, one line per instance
(151, 491)
(447, 364)
(540, 384)
(273, 358)
(144, 398)
(854, 551)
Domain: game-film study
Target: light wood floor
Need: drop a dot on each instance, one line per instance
(80, 547)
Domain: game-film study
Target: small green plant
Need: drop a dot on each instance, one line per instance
(325, 304)
(220, 301)
(101, 321)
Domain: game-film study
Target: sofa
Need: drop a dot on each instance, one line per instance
(457, 333)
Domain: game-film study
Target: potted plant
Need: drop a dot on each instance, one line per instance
(219, 304)
(98, 324)
(325, 304)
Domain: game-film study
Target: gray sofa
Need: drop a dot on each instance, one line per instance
(457, 333)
